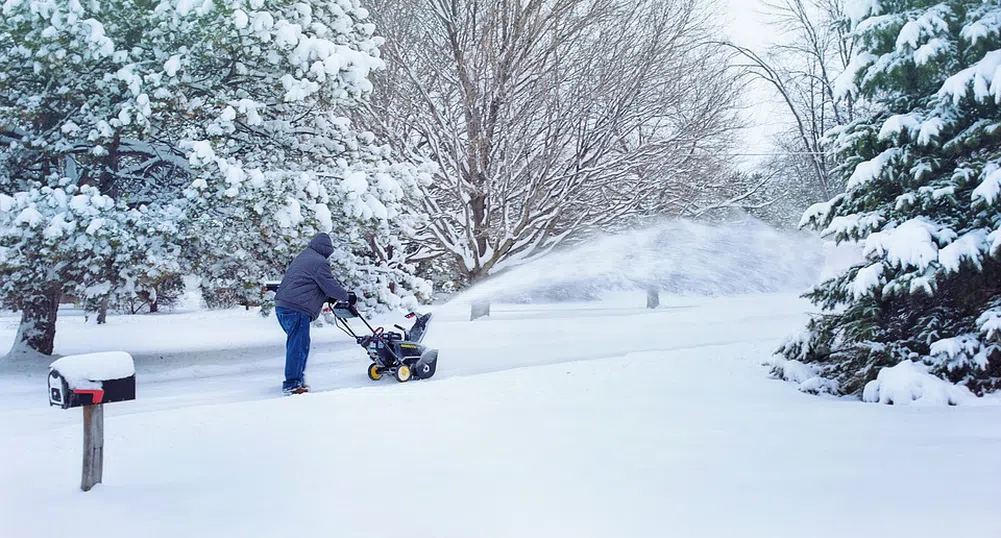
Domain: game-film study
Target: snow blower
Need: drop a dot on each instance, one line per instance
(399, 354)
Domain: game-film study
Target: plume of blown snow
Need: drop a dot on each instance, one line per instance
(675, 257)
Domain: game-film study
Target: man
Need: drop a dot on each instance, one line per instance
(307, 285)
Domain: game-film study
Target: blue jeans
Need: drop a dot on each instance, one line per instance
(296, 326)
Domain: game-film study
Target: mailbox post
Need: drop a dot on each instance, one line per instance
(90, 381)
(93, 446)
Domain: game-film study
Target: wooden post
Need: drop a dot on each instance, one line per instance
(479, 309)
(652, 297)
(93, 446)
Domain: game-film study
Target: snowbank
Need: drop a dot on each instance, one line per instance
(82, 369)
(661, 422)
(598, 449)
(909, 383)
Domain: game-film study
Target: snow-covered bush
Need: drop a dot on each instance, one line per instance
(923, 198)
(909, 383)
(804, 375)
(214, 136)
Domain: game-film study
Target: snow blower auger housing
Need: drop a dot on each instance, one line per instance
(399, 354)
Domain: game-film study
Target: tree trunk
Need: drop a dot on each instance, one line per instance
(478, 206)
(102, 312)
(479, 309)
(652, 297)
(38, 322)
(154, 307)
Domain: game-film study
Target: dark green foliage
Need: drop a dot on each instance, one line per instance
(924, 200)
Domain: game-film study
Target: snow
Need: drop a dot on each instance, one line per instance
(57, 227)
(201, 153)
(969, 247)
(355, 184)
(289, 214)
(262, 22)
(858, 10)
(199, 7)
(567, 429)
(983, 28)
(990, 189)
(256, 177)
(990, 323)
(298, 89)
(909, 35)
(931, 50)
(796, 371)
(234, 176)
(867, 171)
(80, 370)
(819, 212)
(240, 19)
(94, 226)
(909, 383)
(899, 123)
(960, 351)
(930, 23)
(844, 84)
(287, 34)
(908, 245)
(867, 279)
(859, 224)
(930, 130)
(323, 217)
(378, 209)
(29, 216)
(103, 46)
(984, 76)
(228, 114)
(70, 128)
(172, 65)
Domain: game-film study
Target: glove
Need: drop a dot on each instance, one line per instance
(352, 298)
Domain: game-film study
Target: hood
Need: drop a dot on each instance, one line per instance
(321, 243)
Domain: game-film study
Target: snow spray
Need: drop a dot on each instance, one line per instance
(674, 257)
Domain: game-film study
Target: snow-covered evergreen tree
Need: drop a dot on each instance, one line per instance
(274, 151)
(146, 138)
(923, 197)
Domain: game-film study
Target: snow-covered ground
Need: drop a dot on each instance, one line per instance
(597, 419)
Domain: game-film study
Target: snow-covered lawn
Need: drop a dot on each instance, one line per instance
(545, 420)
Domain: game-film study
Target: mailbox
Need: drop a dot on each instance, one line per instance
(92, 379)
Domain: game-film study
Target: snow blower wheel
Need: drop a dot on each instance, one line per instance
(403, 373)
(373, 372)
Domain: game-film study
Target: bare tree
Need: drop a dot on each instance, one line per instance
(803, 72)
(548, 118)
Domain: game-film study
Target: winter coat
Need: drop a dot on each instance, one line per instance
(308, 282)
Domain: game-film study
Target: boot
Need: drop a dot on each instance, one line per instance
(301, 389)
